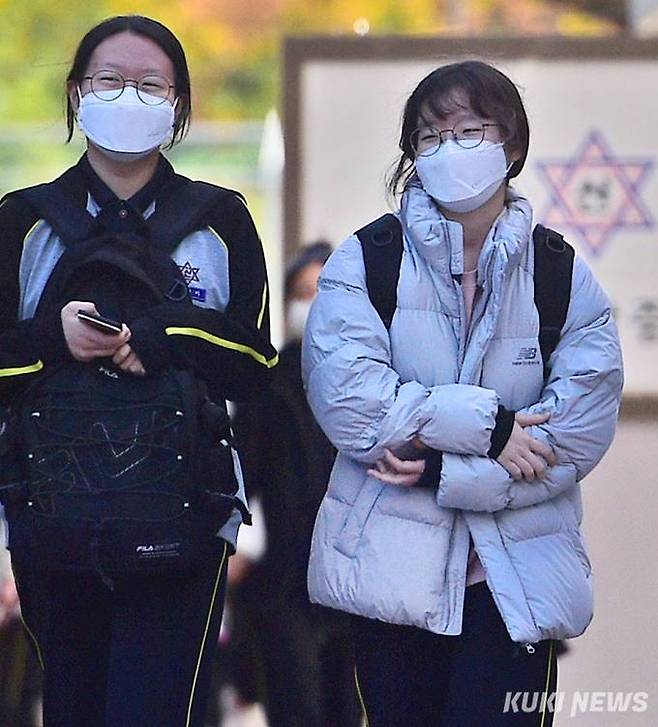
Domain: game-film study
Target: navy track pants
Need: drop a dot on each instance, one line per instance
(409, 677)
(138, 656)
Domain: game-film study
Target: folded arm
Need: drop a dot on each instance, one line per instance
(582, 396)
(359, 400)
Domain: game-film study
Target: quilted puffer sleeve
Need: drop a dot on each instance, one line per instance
(582, 394)
(358, 399)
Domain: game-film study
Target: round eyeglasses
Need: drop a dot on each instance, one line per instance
(426, 140)
(152, 89)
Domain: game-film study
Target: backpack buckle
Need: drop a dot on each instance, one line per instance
(555, 242)
(382, 237)
(177, 292)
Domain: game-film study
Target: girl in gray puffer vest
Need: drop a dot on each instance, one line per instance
(450, 528)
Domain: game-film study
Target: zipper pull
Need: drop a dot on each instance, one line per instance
(529, 648)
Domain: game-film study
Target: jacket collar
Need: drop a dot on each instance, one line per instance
(103, 196)
(441, 241)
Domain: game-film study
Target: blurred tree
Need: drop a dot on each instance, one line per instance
(233, 45)
(530, 17)
(383, 16)
(36, 45)
(614, 10)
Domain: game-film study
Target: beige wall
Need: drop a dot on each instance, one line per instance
(619, 651)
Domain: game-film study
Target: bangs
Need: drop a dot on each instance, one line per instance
(445, 99)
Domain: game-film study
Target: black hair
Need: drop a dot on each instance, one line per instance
(161, 36)
(316, 252)
(491, 94)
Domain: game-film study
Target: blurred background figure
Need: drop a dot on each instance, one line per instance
(20, 677)
(304, 659)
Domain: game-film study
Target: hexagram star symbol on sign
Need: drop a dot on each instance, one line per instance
(596, 193)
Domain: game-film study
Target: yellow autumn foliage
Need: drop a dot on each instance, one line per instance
(233, 45)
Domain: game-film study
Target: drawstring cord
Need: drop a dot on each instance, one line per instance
(97, 564)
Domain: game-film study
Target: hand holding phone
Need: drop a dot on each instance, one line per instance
(101, 323)
(87, 342)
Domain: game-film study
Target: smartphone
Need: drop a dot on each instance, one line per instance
(106, 325)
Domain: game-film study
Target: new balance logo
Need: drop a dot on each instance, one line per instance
(527, 356)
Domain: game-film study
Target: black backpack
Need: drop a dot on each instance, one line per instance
(381, 244)
(114, 473)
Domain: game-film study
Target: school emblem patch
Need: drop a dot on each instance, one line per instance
(191, 275)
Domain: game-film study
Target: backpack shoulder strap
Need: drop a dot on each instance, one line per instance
(553, 271)
(62, 204)
(381, 244)
(183, 209)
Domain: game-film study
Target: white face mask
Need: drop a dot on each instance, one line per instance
(296, 317)
(461, 180)
(125, 128)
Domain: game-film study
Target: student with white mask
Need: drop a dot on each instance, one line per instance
(300, 287)
(135, 648)
(451, 524)
(126, 122)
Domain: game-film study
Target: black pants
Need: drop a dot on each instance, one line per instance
(308, 670)
(409, 677)
(138, 656)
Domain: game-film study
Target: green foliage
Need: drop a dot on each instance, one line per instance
(232, 45)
